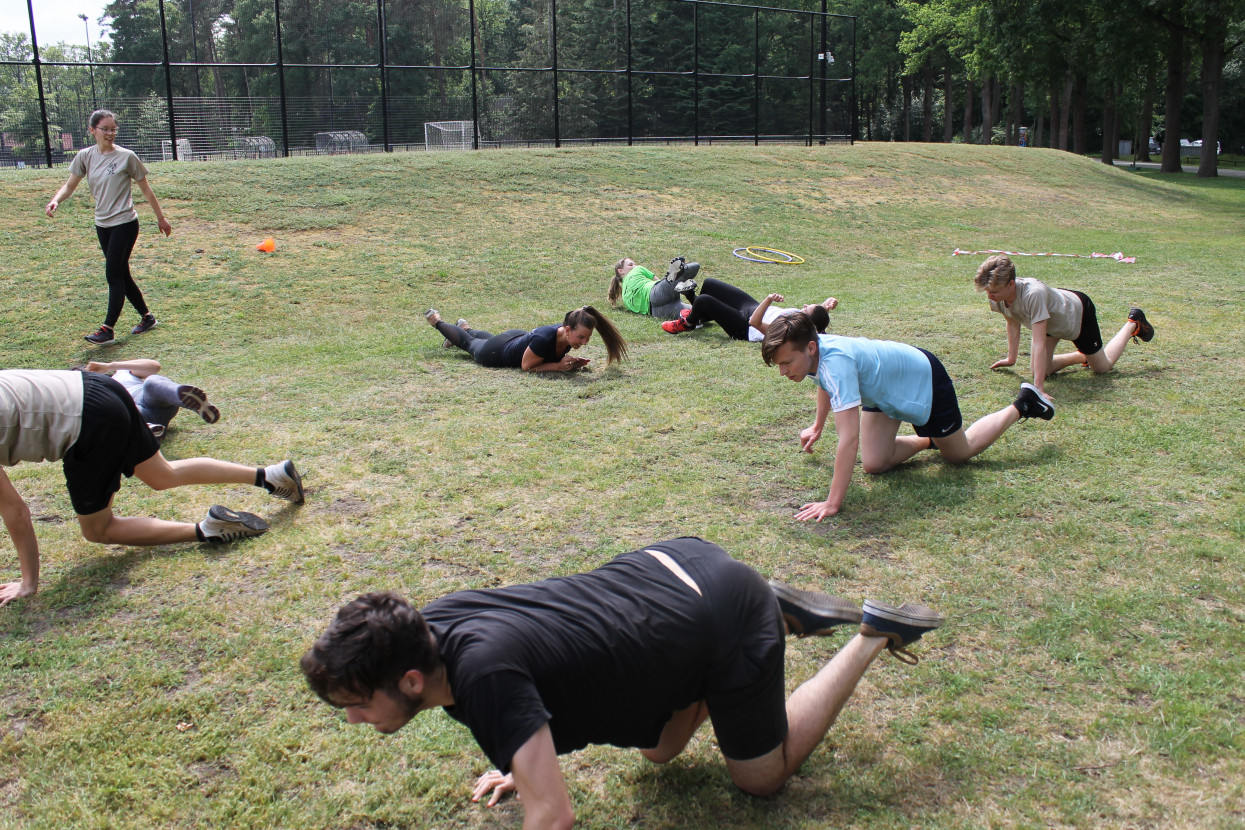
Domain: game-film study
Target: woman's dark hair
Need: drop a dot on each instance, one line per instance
(100, 115)
(795, 328)
(820, 318)
(371, 643)
(593, 320)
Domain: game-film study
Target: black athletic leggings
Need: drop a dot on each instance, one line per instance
(117, 243)
(484, 348)
(722, 303)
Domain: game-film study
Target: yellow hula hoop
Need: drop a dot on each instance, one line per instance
(759, 253)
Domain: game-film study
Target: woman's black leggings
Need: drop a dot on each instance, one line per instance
(117, 243)
(484, 348)
(722, 303)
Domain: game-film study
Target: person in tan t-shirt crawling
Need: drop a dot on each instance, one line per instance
(1053, 314)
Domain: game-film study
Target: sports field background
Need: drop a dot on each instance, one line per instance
(1090, 568)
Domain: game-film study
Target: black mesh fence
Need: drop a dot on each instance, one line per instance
(211, 79)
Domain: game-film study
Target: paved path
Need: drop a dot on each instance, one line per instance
(1230, 172)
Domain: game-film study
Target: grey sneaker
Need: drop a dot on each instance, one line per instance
(687, 277)
(675, 269)
(157, 431)
(195, 399)
(147, 323)
(1031, 403)
(901, 626)
(225, 525)
(103, 337)
(813, 614)
(462, 324)
(283, 481)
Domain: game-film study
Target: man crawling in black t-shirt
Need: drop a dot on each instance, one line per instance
(637, 653)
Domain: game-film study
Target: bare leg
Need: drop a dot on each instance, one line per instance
(881, 447)
(160, 474)
(103, 527)
(811, 711)
(677, 732)
(1105, 360)
(963, 444)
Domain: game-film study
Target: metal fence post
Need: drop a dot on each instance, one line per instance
(855, 136)
(812, 73)
(384, 73)
(43, 106)
(553, 21)
(475, 97)
(821, 120)
(756, 77)
(630, 123)
(696, 75)
(168, 80)
(285, 126)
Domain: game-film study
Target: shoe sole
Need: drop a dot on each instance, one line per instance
(686, 285)
(1049, 411)
(254, 524)
(111, 342)
(195, 399)
(837, 609)
(927, 619)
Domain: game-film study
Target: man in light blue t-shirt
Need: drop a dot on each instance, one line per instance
(890, 383)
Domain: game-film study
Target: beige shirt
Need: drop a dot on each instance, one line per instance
(1036, 301)
(40, 414)
(111, 178)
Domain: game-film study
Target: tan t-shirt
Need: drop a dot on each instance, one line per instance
(111, 178)
(1036, 301)
(40, 414)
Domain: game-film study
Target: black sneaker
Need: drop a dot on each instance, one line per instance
(1033, 404)
(146, 324)
(195, 399)
(901, 626)
(103, 337)
(225, 525)
(1144, 330)
(813, 614)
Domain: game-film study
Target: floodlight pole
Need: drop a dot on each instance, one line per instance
(553, 21)
(168, 80)
(630, 123)
(285, 124)
(821, 120)
(696, 75)
(384, 73)
(475, 95)
(90, 61)
(756, 77)
(43, 105)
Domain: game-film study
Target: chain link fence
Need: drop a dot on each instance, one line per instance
(213, 79)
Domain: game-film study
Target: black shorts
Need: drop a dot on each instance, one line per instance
(1089, 341)
(944, 410)
(114, 439)
(745, 687)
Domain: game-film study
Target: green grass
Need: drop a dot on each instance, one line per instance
(1090, 568)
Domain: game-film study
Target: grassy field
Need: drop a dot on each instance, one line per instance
(1090, 568)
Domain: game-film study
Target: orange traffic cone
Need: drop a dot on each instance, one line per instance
(267, 246)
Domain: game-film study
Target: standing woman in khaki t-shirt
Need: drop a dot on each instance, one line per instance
(111, 170)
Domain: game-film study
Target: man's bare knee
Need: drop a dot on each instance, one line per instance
(875, 467)
(660, 756)
(760, 789)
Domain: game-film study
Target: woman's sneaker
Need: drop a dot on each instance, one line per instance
(901, 626)
(195, 399)
(225, 525)
(283, 481)
(1031, 403)
(1144, 330)
(146, 324)
(103, 337)
(813, 614)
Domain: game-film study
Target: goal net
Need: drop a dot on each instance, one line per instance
(449, 135)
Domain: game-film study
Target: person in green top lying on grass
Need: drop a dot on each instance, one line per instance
(644, 293)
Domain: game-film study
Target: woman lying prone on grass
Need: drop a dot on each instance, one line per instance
(544, 349)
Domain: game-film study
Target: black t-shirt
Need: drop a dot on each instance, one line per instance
(604, 657)
(542, 341)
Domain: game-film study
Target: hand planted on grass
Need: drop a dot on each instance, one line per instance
(999, 364)
(14, 590)
(816, 511)
(495, 781)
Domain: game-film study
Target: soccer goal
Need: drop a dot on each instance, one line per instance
(449, 135)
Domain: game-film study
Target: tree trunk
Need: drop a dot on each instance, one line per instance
(1035, 140)
(1119, 120)
(1065, 109)
(1147, 122)
(1212, 76)
(1174, 98)
(996, 101)
(906, 82)
(968, 110)
(1016, 107)
(1052, 141)
(987, 108)
(1079, 103)
(948, 117)
(927, 103)
(1108, 124)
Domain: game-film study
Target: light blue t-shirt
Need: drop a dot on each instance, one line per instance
(893, 377)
